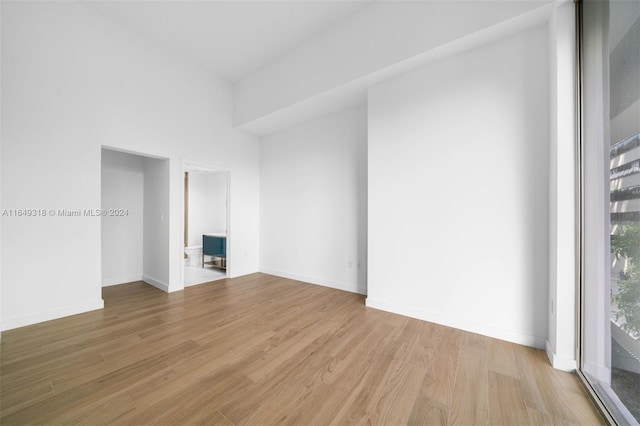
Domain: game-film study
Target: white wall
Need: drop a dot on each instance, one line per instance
(1, 205)
(458, 191)
(207, 205)
(122, 188)
(561, 306)
(155, 245)
(72, 82)
(313, 201)
(44, 135)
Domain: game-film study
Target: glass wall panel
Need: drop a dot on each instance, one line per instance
(610, 292)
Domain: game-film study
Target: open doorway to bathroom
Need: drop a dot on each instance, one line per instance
(206, 215)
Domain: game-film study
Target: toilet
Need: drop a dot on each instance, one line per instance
(194, 255)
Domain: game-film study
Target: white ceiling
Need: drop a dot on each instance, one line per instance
(231, 38)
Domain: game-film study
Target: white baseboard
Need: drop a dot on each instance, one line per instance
(11, 323)
(559, 362)
(156, 283)
(459, 323)
(235, 273)
(106, 282)
(351, 288)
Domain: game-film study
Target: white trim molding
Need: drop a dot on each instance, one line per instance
(11, 323)
(156, 283)
(121, 280)
(459, 323)
(350, 287)
(560, 362)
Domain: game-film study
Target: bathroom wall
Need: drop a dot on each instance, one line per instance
(122, 188)
(207, 205)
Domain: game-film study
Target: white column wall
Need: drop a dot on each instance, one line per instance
(459, 191)
(561, 343)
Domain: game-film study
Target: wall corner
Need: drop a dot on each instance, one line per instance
(559, 362)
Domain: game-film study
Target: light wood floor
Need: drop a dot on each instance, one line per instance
(265, 350)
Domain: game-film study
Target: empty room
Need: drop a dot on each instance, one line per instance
(315, 212)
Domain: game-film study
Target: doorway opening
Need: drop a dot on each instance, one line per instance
(134, 218)
(206, 225)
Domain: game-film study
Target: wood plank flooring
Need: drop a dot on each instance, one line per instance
(266, 350)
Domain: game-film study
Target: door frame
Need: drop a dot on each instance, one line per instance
(189, 166)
